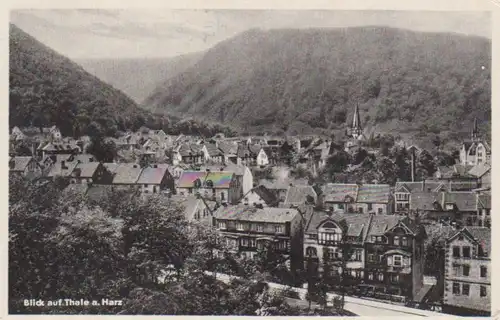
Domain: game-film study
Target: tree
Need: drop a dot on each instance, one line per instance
(386, 171)
(103, 151)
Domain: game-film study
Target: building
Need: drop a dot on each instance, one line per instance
(195, 208)
(90, 173)
(156, 178)
(248, 229)
(299, 195)
(191, 153)
(394, 257)
(382, 255)
(358, 198)
(126, 175)
(469, 208)
(251, 155)
(260, 196)
(468, 272)
(218, 186)
(329, 236)
(355, 132)
(476, 150)
(482, 172)
(25, 166)
(242, 173)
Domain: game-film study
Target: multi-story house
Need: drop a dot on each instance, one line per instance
(219, 186)
(191, 153)
(394, 257)
(248, 229)
(126, 175)
(329, 236)
(482, 172)
(468, 272)
(26, 166)
(156, 178)
(358, 198)
(404, 189)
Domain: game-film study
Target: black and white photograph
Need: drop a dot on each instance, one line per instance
(237, 162)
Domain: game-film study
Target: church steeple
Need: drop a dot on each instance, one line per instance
(356, 129)
(475, 131)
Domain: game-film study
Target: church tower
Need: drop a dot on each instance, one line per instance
(475, 132)
(356, 129)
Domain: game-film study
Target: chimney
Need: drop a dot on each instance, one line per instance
(155, 166)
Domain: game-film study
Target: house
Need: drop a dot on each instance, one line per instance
(218, 186)
(126, 175)
(90, 173)
(358, 198)
(156, 178)
(404, 189)
(25, 166)
(127, 142)
(51, 148)
(330, 236)
(247, 229)
(299, 195)
(251, 155)
(62, 168)
(242, 173)
(195, 209)
(260, 196)
(482, 172)
(214, 153)
(191, 153)
(468, 272)
(466, 207)
(229, 149)
(476, 150)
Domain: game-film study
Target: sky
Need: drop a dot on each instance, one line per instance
(154, 33)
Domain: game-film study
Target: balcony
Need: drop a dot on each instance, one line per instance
(399, 269)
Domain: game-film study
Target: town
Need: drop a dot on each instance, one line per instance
(371, 216)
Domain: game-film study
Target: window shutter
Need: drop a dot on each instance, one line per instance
(389, 261)
(406, 261)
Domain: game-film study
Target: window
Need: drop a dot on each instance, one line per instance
(252, 243)
(222, 225)
(465, 270)
(461, 237)
(484, 271)
(360, 209)
(370, 276)
(380, 211)
(395, 278)
(278, 229)
(456, 252)
(466, 252)
(190, 191)
(398, 261)
(482, 291)
(370, 207)
(371, 258)
(456, 270)
(456, 288)
(260, 228)
(312, 236)
(244, 242)
(311, 252)
(282, 245)
(341, 206)
(396, 240)
(404, 241)
(465, 289)
(239, 226)
(380, 277)
(357, 256)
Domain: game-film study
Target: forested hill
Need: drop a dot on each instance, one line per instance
(47, 88)
(408, 83)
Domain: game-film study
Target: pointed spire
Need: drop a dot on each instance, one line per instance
(356, 120)
(475, 130)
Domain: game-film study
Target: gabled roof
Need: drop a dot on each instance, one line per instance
(484, 201)
(213, 150)
(357, 224)
(189, 149)
(58, 170)
(374, 193)
(297, 195)
(422, 200)
(127, 173)
(253, 214)
(220, 179)
(337, 192)
(481, 235)
(20, 163)
(464, 201)
(111, 166)
(479, 170)
(265, 194)
(151, 175)
(87, 170)
(228, 147)
(189, 204)
(382, 223)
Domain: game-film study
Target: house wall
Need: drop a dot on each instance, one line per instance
(247, 181)
(262, 159)
(473, 300)
(385, 208)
